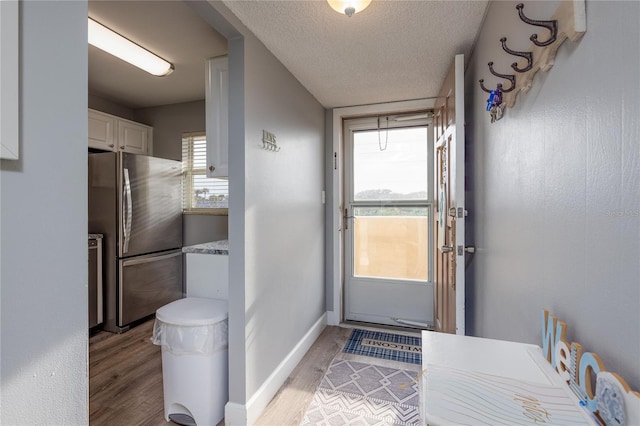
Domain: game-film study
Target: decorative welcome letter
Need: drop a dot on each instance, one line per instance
(590, 365)
(550, 324)
(604, 394)
(563, 360)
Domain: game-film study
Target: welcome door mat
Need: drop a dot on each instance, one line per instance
(378, 344)
(355, 393)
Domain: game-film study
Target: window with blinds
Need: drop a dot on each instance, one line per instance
(200, 193)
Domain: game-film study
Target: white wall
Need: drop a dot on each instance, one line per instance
(276, 218)
(284, 215)
(555, 188)
(44, 225)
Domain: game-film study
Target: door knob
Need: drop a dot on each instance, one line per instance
(446, 249)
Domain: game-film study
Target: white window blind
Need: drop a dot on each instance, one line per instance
(200, 193)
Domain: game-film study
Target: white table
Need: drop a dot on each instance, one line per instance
(512, 360)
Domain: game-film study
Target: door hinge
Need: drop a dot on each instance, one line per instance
(335, 161)
(346, 218)
(461, 212)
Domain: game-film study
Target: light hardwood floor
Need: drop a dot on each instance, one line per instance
(125, 379)
(293, 398)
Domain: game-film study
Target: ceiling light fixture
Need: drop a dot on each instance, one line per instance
(111, 42)
(349, 7)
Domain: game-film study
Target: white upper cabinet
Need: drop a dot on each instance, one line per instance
(217, 113)
(111, 133)
(102, 131)
(133, 137)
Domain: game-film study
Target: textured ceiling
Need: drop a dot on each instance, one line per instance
(172, 30)
(393, 50)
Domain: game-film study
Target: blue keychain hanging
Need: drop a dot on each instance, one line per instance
(495, 107)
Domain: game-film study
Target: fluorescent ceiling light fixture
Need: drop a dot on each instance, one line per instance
(349, 7)
(105, 39)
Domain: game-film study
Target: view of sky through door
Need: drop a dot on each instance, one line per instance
(391, 237)
(391, 164)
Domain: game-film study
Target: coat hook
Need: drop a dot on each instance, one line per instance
(552, 26)
(527, 55)
(511, 78)
(482, 86)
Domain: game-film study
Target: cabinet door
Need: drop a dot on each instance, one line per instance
(133, 137)
(217, 106)
(101, 131)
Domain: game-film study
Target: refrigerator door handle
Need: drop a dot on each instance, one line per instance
(128, 214)
(149, 259)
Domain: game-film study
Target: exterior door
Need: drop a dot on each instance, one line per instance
(388, 223)
(448, 123)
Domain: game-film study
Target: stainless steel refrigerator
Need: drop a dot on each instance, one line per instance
(135, 202)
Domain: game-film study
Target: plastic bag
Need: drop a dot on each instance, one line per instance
(200, 339)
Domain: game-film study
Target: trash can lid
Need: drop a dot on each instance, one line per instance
(193, 311)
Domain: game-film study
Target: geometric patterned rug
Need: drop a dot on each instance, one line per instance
(355, 393)
(385, 345)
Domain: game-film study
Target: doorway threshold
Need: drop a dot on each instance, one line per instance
(398, 329)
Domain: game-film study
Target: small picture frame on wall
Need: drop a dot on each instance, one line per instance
(9, 79)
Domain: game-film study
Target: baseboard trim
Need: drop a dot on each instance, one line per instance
(235, 414)
(333, 318)
(238, 414)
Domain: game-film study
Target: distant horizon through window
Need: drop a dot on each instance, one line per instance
(391, 164)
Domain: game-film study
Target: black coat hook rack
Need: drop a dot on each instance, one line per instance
(568, 21)
(527, 55)
(510, 77)
(482, 86)
(551, 25)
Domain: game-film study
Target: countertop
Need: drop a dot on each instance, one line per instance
(214, 247)
(95, 236)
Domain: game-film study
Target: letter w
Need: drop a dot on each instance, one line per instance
(551, 325)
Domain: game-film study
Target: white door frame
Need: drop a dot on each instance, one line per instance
(416, 296)
(336, 235)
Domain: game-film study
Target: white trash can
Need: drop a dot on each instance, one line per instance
(193, 335)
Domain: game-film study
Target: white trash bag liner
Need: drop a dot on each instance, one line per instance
(191, 339)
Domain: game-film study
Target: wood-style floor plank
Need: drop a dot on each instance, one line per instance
(125, 379)
(293, 398)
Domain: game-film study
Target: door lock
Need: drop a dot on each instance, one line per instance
(462, 250)
(446, 249)
(468, 249)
